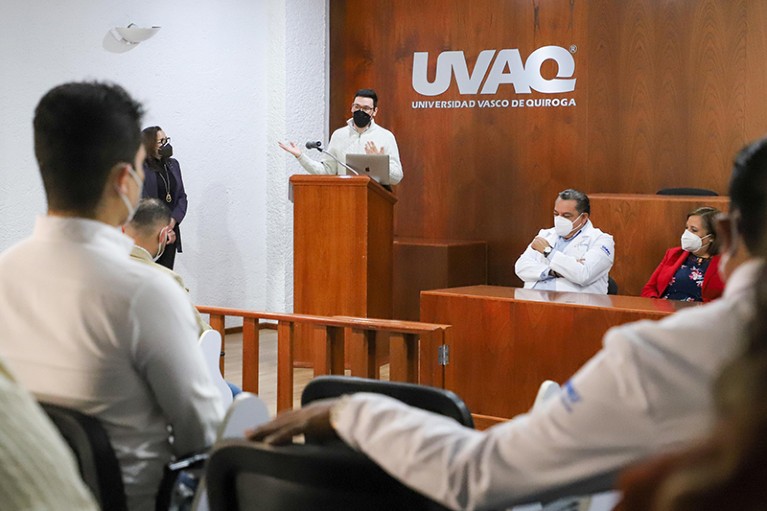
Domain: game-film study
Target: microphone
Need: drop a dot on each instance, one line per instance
(318, 146)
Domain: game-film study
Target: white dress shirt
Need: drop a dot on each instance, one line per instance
(648, 389)
(347, 140)
(86, 327)
(584, 263)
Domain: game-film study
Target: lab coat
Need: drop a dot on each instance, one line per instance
(583, 265)
(647, 390)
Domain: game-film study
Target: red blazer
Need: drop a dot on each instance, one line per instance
(713, 286)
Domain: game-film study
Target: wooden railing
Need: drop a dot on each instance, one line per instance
(413, 347)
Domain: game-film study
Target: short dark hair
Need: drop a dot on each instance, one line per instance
(748, 193)
(708, 215)
(82, 130)
(367, 93)
(150, 213)
(582, 204)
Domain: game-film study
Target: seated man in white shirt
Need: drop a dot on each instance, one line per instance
(84, 326)
(647, 390)
(361, 135)
(573, 255)
(149, 228)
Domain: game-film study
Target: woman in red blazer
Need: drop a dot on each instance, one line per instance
(690, 272)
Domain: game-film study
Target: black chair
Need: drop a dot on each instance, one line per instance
(702, 192)
(98, 464)
(612, 286)
(96, 459)
(432, 399)
(250, 476)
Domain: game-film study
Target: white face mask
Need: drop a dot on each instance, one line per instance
(161, 243)
(563, 226)
(130, 207)
(160, 252)
(691, 242)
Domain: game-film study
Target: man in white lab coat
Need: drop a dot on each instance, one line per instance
(571, 256)
(647, 390)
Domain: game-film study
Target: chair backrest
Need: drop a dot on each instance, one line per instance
(210, 344)
(546, 391)
(244, 475)
(96, 459)
(246, 411)
(612, 286)
(432, 399)
(702, 192)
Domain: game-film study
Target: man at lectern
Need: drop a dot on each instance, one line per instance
(573, 255)
(361, 135)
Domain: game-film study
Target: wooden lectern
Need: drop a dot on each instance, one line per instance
(342, 250)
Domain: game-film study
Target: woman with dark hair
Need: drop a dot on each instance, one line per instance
(690, 272)
(163, 181)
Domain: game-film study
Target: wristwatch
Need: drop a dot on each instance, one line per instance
(546, 251)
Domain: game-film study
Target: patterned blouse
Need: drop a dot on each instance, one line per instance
(687, 283)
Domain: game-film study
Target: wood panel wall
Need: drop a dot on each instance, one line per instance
(666, 92)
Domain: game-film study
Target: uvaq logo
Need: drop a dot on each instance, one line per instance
(524, 78)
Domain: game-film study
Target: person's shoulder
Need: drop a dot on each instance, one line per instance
(675, 252)
(15, 250)
(170, 273)
(384, 131)
(341, 131)
(156, 267)
(147, 277)
(672, 256)
(598, 235)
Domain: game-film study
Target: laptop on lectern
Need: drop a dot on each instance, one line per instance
(375, 166)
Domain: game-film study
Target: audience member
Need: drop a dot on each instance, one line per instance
(690, 272)
(726, 470)
(149, 229)
(573, 255)
(84, 326)
(644, 392)
(37, 469)
(162, 180)
(361, 135)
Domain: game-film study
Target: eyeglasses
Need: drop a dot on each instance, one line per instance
(163, 141)
(366, 109)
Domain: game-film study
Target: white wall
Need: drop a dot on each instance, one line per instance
(225, 79)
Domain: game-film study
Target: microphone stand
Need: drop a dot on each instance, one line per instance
(318, 146)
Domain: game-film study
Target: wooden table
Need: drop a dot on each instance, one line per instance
(505, 341)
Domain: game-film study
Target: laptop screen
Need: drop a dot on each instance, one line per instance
(375, 166)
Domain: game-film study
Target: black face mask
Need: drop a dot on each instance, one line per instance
(166, 151)
(361, 118)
